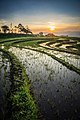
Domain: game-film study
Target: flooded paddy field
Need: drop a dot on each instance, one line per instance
(67, 45)
(4, 84)
(73, 59)
(63, 43)
(67, 57)
(55, 87)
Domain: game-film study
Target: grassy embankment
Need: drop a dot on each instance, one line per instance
(35, 41)
(75, 44)
(16, 40)
(23, 105)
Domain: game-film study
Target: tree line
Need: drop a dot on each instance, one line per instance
(20, 28)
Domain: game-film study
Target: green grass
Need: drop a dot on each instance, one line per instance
(10, 41)
(23, 106)
(33, 43)
(75, 38)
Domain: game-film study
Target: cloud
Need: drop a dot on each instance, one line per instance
(2, 22)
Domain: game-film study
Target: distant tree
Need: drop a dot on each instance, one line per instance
(41, 34)
(28, 30)
(23, 29)
(50, 35)
(20, 26)
(5, 28)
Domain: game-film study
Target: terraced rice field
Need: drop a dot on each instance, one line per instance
(54, 86)
(53, 68)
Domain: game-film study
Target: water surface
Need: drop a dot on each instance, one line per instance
(56, 88)
(4, 84)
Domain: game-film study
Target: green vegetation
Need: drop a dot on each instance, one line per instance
(77, 46)
(33, 43)
(75, 38)
(14, 35)
(23, 105)
(5, 28)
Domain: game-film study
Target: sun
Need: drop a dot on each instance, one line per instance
(52, 28)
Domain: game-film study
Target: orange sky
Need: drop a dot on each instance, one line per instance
(58, 28)
(62, 23)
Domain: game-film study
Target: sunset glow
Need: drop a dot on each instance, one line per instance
(62, 17)
(52, 28)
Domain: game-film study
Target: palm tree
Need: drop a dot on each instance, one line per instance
(5, 28)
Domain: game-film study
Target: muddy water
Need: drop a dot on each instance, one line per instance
(56, 88)
(4, 84)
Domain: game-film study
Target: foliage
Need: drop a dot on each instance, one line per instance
(21, 27)
(5, 28)
(14, 35)
(41, 34)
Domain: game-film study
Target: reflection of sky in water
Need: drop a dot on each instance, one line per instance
(56, 88)
(4, 82)
(70, 58)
